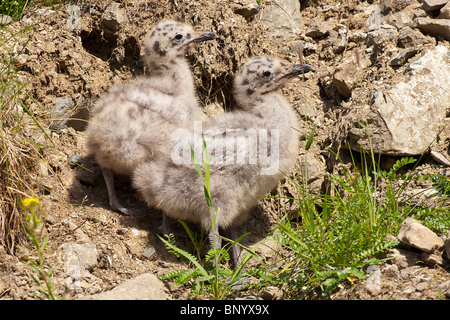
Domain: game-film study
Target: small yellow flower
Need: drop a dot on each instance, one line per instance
(30, 202)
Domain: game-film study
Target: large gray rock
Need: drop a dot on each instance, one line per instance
(413, 233)
(405, 119)
(144, 287)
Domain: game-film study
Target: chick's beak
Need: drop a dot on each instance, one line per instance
(300, 68)
(203, 36)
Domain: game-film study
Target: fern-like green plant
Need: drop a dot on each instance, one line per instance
(345, 230)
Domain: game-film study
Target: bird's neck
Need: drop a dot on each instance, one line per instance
(270, 106)
(176, 72)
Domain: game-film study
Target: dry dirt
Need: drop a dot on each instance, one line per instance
(81, 63)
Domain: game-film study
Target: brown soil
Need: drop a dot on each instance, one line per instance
(82, 63)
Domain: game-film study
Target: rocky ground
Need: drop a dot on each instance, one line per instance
(384, 64)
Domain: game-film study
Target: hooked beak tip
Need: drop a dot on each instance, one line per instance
(204, 36)
(303, 68)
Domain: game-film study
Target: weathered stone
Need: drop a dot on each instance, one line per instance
(381, 38)
(349, 74)
(374, 21)
(409, 37)
(394, 5)
(407, 118)
(402, 258)
(284, 21)
(5, 19)
(402, 19)
(149, 253)
(447, 246)
(401, 58)
(246, 8)
(317, 30)
(432, 258)
(373, 282)
(432, 5)
(79, 256)
(62, 112)
(144, 287)
(435, 27)
(445, 12)
(440, 158)
(114, 17)
(413, 233)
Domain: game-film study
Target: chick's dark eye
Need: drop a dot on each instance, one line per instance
(267, 74)
(179, 36)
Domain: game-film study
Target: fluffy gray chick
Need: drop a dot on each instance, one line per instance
(133, 122)
(249, 150)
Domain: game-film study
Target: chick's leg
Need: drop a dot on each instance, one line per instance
(108, 175)
(236, 249)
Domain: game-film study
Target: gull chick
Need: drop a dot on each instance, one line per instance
(133, 122)
(250, 150)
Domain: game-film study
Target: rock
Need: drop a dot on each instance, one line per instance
(79, 256)
(402, 19)
(432, 258)
(435, 27)
(401, 58)
(432, 5)
(444, 287)
(373, 282)
(78, 259)
(409, 37)
(61, 112)
(349, 75)
(271, 293)
(149, 253)
(413, 233)
(5, 19)
(316, 32)
(144, 287)
(318, 29)
(284, 21)
(374, 21)
(394, 5)
(246, 8)
(405, 119)
(447, 247)
(445, 12)
(356, 36)
(381, 36)
(440, 158)
(402, 258)
(113, 17)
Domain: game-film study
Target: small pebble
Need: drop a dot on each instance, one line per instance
(148, 253)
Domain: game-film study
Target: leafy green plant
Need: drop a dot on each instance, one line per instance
(13, 8)
(339, 233)
(37, 258)
(441, 184)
